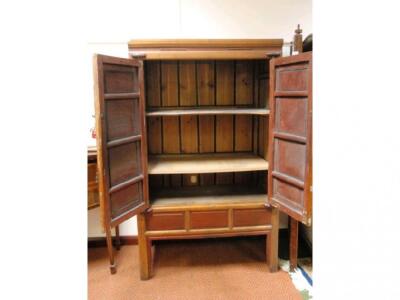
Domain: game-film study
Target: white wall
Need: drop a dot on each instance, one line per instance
(116, 23)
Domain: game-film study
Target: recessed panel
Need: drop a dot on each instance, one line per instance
(292, 78)
(208, 219)
(122, 118)
(290, 114)
(165, 221)
(120, 79)
(287, 193)
(251, 217)
(290, 158)
(125, 199)
(124, 162)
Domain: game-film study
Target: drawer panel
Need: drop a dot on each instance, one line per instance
(165, 221)
(208, 219)
(251, 217)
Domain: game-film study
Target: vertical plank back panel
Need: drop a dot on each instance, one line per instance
(225, 96)
(170, 125)
(188, 124)
(206, 97)
(188, 83)
(206, 83)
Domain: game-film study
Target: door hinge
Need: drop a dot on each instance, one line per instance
(311, 188)
(138, 55)
(273, 55)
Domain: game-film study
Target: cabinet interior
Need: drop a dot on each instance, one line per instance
(207, 130)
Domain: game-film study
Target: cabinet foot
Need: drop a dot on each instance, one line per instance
(117, 239)
(293, 243)
(113, 269)
(145, 255)
(272, 242)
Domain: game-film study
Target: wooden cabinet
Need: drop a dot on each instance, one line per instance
(187, 131)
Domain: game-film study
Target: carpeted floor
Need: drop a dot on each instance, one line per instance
(192, 269)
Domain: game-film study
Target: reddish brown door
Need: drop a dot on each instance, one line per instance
(121, 138)
(290, 136)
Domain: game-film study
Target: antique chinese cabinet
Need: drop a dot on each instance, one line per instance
(203, 138)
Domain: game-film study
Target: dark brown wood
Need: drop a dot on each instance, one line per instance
(290, 136)
(121, 142)
(293, 243)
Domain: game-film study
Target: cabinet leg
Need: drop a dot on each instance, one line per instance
(293, 243)
(144, 250)
(272, 242)
(113, 267)
(117, 239)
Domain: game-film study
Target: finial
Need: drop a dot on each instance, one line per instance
(298, 40)
(298, 30)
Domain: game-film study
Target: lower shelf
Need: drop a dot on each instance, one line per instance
(205, 163)
(205, 196)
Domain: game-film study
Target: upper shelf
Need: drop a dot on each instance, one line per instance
(207, 111)
(205, 163)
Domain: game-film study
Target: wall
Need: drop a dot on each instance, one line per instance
(116, 24)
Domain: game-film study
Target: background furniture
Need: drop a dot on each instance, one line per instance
(186, 132)
(93, 187)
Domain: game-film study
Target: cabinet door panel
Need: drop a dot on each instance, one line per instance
(290, 136)
(121, 138)
(121, 118)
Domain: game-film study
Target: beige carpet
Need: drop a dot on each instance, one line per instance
(192, 269)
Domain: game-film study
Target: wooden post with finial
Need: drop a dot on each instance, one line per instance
(298, 40)
(293, 224)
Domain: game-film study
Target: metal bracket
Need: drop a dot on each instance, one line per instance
(273, 55)
(138, 55)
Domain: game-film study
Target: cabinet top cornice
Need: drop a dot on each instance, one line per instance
(205, 43)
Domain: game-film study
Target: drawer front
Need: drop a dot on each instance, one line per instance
(165, 221)
(251, 217)
(208, 219)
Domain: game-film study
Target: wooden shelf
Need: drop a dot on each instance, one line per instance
(207, 195)
(207, 111)
(205, 163)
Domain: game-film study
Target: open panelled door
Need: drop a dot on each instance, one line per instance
(121, 136)
(290, 136)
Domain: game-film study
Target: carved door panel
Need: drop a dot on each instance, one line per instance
(121, 138)
(290, 136)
